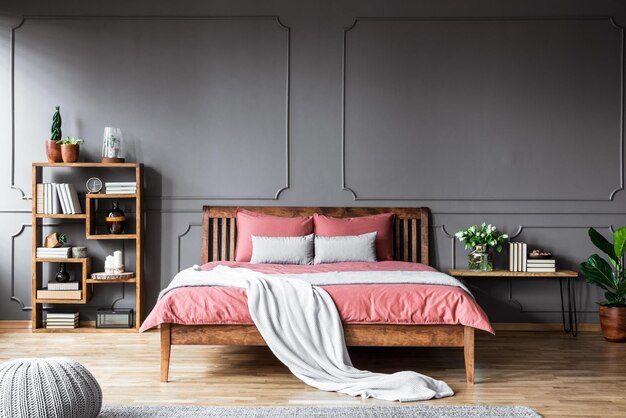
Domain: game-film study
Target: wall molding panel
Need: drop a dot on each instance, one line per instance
(427, 196)
(13, 297)
(275, 19)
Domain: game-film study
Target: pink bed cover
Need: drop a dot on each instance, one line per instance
(357, 304)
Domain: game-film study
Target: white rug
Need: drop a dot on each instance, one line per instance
(422, 411)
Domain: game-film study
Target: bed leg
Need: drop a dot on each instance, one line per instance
(166, 347)
(468, 349)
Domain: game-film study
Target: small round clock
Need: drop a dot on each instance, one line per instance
(94, 185)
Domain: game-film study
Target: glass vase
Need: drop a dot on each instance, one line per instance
(112, 145)
(480, 259)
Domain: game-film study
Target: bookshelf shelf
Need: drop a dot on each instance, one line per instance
(111, 196)
(112, 236)
(38, 320)
(61, 216)
(60, 260)
(94, 281)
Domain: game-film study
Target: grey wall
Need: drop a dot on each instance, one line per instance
(483, 111)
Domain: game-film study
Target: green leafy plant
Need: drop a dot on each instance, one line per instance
(608, 275)
(62, 238)
(55, 131)
(485, 235)
(71, 141)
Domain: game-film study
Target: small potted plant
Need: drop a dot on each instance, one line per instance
(70, 148)
(611, 277)
(481, 240)
(53, 148)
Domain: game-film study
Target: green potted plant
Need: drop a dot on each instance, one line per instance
(53, 148)
(480, 239)
(611, 277)
(70, 148)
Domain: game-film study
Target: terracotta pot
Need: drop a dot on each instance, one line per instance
(53, 152)
(613, 323)
(69, 152)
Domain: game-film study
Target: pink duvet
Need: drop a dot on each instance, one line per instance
(357, 304)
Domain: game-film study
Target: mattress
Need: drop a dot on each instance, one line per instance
(399, 304)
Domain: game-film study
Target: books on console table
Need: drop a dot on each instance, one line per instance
(541, 265)
(518, 255)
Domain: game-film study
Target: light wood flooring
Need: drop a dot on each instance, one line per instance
(556, 374)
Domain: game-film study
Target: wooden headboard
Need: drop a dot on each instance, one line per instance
(219, 232)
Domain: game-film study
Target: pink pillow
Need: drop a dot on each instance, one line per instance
(252, 223)
(337, 227)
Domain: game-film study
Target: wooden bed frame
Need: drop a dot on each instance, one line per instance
(411, 235)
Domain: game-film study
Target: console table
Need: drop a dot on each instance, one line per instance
(571, 327)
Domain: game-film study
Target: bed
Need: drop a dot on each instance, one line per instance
(411, 245)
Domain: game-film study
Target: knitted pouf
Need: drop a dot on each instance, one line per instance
(52, 387)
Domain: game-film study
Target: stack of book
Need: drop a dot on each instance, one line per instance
(58, 252)
(57, 198)
(62, 320)
(121, 187)
(541, 265)
(518, 256)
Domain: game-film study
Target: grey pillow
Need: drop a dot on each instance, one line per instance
(282, 250)
(348, 248)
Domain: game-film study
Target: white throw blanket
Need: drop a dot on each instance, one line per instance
(301, 325)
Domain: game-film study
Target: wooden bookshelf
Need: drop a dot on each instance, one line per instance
(90, 206)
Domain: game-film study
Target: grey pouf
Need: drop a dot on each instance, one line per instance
(51, 387)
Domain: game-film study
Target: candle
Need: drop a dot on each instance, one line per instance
(108, 263)
(118, 260)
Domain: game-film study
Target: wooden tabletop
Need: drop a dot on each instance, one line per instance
(507, 273)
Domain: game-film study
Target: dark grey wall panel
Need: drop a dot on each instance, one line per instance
(206, 94)
(207, 82)
(491, 109)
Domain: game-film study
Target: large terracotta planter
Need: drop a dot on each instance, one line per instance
(613, 323)
(53, 152)
(69, 152)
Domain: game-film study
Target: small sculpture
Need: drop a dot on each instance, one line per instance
(55, 240)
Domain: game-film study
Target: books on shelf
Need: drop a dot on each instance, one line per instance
(59, 294)
(120, 187)
(541, 265)
(57, 198)
(63, 286)
(58, 252)
(518, 256)
(62, 320)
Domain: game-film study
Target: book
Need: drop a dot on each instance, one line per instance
(541, 261)
(524, 256)
(128, 189)
(59, 294)
(74, 199)
(541, 269)
(63, 286)
(45, 198)
(58, 188)
(121, 183)
(40, 198)
(49, 201)
(67, 194)
(62, 315)
(120, 191)
(66, 198)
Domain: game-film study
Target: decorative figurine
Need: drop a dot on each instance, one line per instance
(116, 219)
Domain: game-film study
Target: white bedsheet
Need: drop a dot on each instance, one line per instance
(302, 327)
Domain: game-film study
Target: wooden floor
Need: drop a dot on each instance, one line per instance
(556, 374)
